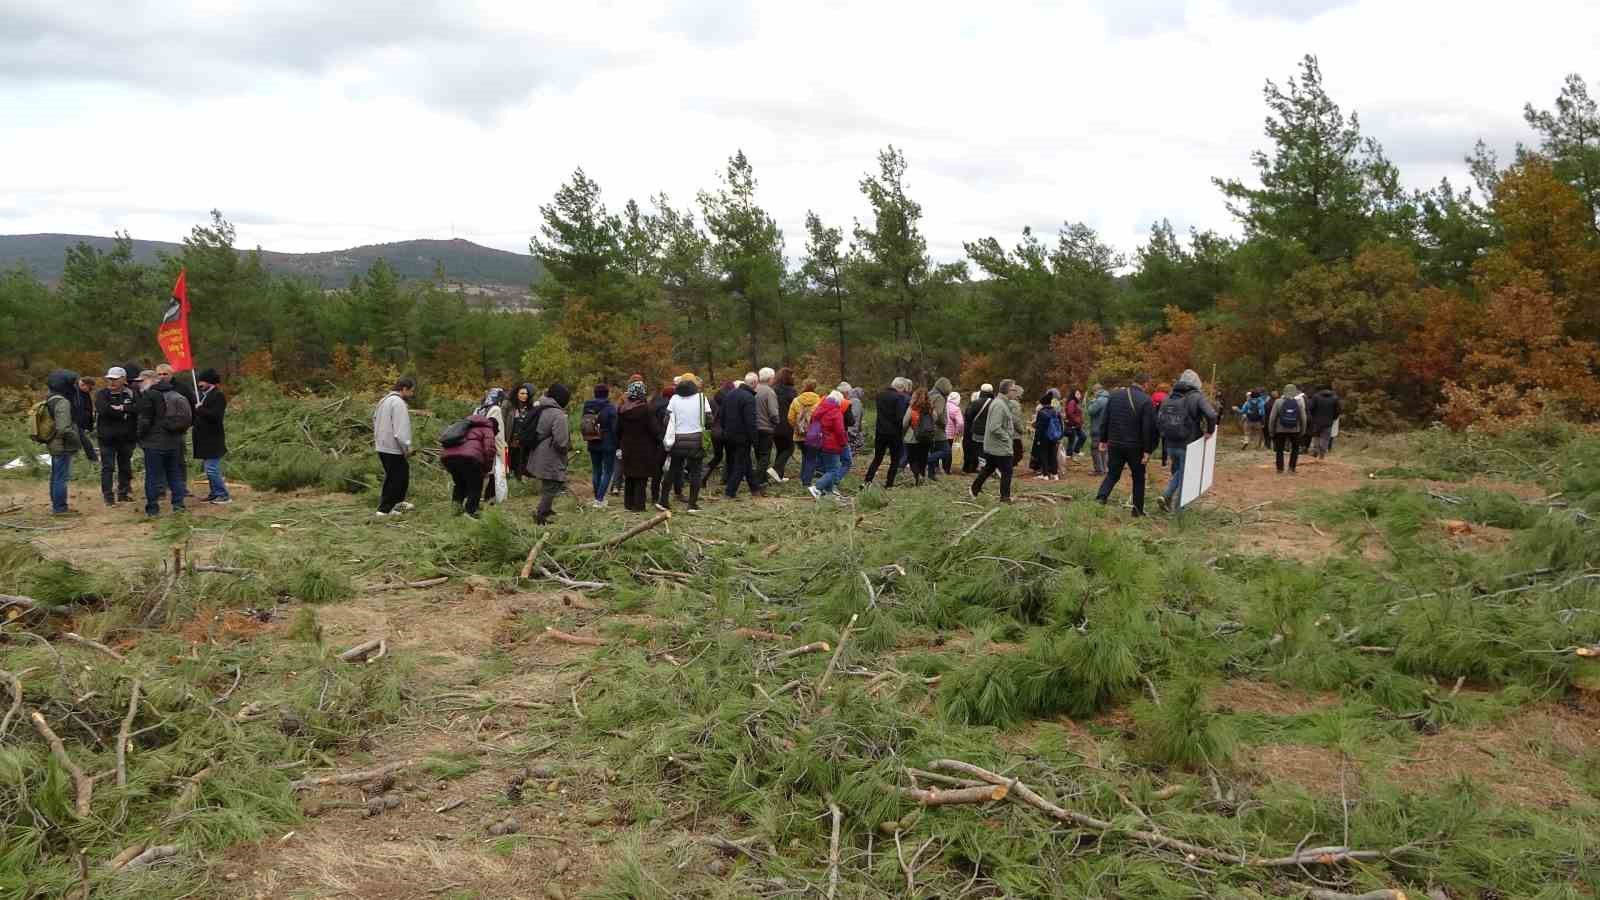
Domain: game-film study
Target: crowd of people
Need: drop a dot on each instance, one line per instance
(652, 446)
(154, 412)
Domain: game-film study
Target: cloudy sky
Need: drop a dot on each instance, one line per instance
(317, 125)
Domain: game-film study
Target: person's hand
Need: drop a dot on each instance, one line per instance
(1144, 459)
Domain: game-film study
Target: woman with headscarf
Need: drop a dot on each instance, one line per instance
(492, 408)
(521, 406)
(639, 436)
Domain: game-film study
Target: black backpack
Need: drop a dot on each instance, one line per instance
(456, 434)
(1289, 415)
(1172, 421)
(176, 414)
(529, 433)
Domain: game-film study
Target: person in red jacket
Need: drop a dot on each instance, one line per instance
(469, 460)
(828, 420)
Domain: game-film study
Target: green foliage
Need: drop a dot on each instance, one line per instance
(1182, 731)
(315, 582)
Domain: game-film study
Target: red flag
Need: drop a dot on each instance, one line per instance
(173, 333)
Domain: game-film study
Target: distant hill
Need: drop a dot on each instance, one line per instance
(473, 264)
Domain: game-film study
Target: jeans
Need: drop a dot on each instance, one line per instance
(163, 468)
(832, 467)
(783, 442)
(117, 454)
(1075, 441)
(1133, 458)
(603, 462)
(1322, 442)
(739, 470)
(467, 475)
(1175, 483)
(213, 470)
(1292, 441)
(992, 462)
(808, 465)
(1097, 459)
(943, 453)
(894, 447)
(60, 474)
(396, 480)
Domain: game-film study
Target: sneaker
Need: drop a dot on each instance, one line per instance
(596, 504)
(110, 502)
(1164, 503)
(380, 514)
(124, 498)
(660, 508)
(815, 494)
(404, 506)
(220, 501)
(693, 509)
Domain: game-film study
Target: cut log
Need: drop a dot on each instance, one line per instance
(150, 857)
(813, 647)
(631, 533)
(565, 638)
(359, 653)
(934, 797)
(358, 777)
(757, 634)
(533, 555)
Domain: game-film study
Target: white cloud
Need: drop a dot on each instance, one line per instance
(317, 126)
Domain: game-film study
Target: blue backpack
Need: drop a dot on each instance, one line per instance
(1289, 415)
(1052, 426)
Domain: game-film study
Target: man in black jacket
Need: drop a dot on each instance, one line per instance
(973, 422)
(164, 415)
(1325, 409)
(116, 427)
(83, 416)
(1127, 433)
(888, 433)
(739, 436)
(210, 439)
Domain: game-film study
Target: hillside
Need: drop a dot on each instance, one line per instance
(463, 260)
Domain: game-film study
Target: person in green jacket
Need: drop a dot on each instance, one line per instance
(1096, 410)
(1000, 429)
(64, 441)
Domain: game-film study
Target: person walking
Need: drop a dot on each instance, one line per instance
(739, 436)
(1157, 398)
(687, 415)
(210, 433)
(1325, 409)
(1000, 421)
(549, 444)
(54, 427)
(1049, 430)
(719, 444)
(469, 460)
(1097, 411)
(660, 486)
(598, 428)
(116, 430)
(165, 415)
(1287, 423)
(833, 441)
(1253, 413)
(937, 447)
(782, 432)
(83, 416)
(1185, 416)
(955, 423)
(521, 408)
(1127, 435)
(855, 422)
(1072, 417)
(391, 436)
(888, 433)
(972, 429)
(639, 437)
(921, 433)
(493, 408)
(766, 423)
(800, 413)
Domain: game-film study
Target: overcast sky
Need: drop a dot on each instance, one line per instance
(317, 125)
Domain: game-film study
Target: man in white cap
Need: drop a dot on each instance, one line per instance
(116, 431)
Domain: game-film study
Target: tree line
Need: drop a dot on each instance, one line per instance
(1476, 303)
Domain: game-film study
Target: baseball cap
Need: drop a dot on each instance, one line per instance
(116, 372)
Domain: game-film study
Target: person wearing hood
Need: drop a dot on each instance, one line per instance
(493, 408)
(522, 403)
(827, 421)
(1288, 423)
(687, 416)
(939, 449)
(1096, 411)
(551, 441)
(782, 433)
(598, 428)
(639, 437)
(1184, 417)
(972, 429)
(739, 418)
(210, 435)
(801, 410)
(391, 435)
(116, 429)
(61, 436)
(1325, 409)
(164, 416)
(1127, 435)
(1000, 422)
(468, 461)
(888, 433)
(954, 427)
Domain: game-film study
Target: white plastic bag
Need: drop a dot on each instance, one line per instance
(501, 489)
(672, 428)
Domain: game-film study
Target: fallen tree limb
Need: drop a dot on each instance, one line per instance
(15, 681)
(1384, 894)
(425, 583)
(122, 859)
(813, 647)
(974, 526)
(359, 652)
(565, 638)
(1322, 856)
(533, 555)
(833, 850)
(358, 777)
(82, 785)
(834, 660)
(754, 634)
(238, 674)
(27, 604)
(187, 796)
(937, 778)
(934, 797)
(80, 640)
(122, 736)
(571, 583)
(150, 857)
(631, 533)
(224, 570)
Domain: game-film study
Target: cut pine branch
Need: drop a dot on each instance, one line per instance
(359, 777)
(813, 647)
(628, 535)
(122, 736)
(367, 651)
(565, 638)
(983, 793)
(82, 785)
(82, 641)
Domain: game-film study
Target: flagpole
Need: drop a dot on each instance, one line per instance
(196, 379)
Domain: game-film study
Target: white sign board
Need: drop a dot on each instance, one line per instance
(1199, 465)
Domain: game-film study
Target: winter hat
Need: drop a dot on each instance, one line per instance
(1290, 390)
(836, 396)
(986, 388)
(602, 391)
(844, 388)
(560, 393)
(116, 372)
(637, 391)
(209, 376)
